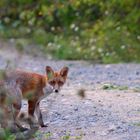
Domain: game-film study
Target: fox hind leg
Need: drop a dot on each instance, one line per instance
(17, 108)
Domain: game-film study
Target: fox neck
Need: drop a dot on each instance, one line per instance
(45, 81)
(47, 89)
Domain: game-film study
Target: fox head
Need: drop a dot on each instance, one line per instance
(56, 79)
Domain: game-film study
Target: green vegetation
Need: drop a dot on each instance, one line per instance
(47, 136)
(137, 124)
(114, 87)
(136, 89)
(68, 137)
(6, 135)
(107, 31)
(2, 74)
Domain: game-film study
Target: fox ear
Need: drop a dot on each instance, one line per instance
(49, 72)
(64, 72)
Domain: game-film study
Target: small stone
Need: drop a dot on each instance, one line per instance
(95, 114)
(137, 73)
(112, 127)
(81, 93)
(76, 109)
(118, 95)
(103, 133)
(78, 128)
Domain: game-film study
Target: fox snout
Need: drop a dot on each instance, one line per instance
(50, 89)
(56, 90)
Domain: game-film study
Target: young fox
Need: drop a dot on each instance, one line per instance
(35, 87)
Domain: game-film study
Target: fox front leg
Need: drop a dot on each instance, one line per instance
(39, 116)
(31, 108)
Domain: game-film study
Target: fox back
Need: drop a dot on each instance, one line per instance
(27, 80)
(33, 82)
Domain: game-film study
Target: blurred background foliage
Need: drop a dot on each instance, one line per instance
(106, 31)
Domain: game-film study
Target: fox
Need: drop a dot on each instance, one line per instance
(34, 87)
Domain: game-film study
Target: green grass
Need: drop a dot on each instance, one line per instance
(137, 124)
(39, 135)
(6, 135)
(114, 87)
(2, 74)
(68, 137)
(136, 89)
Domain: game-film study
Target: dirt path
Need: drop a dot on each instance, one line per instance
(108, 112)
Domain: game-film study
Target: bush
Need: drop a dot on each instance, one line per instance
(106, 31)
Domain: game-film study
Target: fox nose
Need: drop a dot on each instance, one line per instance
(56, 90)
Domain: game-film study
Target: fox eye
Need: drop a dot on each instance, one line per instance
(52, 82)
(60, 83)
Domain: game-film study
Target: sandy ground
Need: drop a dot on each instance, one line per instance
(111, 113)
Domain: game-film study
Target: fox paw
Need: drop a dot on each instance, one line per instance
(22, 129)
(44, 125)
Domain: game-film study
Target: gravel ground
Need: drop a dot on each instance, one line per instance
(110, 109)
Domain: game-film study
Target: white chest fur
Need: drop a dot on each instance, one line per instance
(47, 90)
